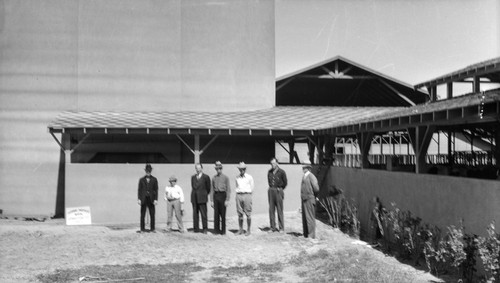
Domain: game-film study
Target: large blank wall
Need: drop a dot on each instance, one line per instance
(122, 55)
(111, 189)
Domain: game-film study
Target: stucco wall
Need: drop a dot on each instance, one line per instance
(111, 189)
(125, 55)
(438, 200)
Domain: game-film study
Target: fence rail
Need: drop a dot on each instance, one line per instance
(458, 158)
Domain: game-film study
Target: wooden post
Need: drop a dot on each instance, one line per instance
(476, 85)
(421, 138)
(365, 142)
(449, 90)
(196, 149)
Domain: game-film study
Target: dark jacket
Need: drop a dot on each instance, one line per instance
(200, 189)
(277, 180)
(147, 189)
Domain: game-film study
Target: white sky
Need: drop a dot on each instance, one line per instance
(412, 41)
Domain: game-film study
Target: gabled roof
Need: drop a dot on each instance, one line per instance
(341, 82)
(276, 121)
(489, 69)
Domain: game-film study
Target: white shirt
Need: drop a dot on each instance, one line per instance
(174, 192)
(244, 184)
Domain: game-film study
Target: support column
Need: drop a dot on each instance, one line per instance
(291, 152)
(433, 92)
(449, 90)
(196, 150)
(421, 138)
(365, 142)
(311, 146)
(450, 151)
(476, 85)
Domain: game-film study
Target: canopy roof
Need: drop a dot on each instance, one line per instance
(478, 108)
(289, 121)
(489, 70)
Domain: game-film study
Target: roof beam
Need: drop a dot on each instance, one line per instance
(397, 92)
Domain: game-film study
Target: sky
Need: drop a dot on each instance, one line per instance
(412, 41)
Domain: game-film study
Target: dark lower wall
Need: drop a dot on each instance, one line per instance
(438, 200)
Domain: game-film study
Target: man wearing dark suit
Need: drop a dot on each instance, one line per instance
(147, 197)
(200, 184)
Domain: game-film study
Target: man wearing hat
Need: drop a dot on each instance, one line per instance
(200, 184)
(175, 198)
(308, 190)
(219, 196)
(244, 189)
(147, 197)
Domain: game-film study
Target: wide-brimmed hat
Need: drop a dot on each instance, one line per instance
(242, 165)
(172, 178)
(148, 168)
(218, 165)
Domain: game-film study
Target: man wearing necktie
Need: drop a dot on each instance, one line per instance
(200, 184)
(147, 197)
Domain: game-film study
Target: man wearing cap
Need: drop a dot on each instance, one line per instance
(200, 184)
(244, 189)
(308, 190)
(219, 196)
(277, 181)
(147, 197)
(175, 198)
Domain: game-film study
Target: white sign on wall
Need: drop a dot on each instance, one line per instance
(78, 216)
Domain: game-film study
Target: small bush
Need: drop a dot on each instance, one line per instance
(342, 214)
(489, 252)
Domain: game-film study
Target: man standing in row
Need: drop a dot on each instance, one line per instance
(244, 189)
(219, 196)
(277, 181)
(308, 190)
(147, 197)
(200, 184)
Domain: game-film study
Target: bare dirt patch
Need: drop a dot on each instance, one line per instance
(51, 251)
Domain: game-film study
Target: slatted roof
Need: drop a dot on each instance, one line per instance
(489, 70)
(469, 109)
(289, 121)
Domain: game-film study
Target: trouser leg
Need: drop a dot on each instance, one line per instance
(151, 208)
(222, 211)
(177, 207)
(279, 208)
(204, 219)
(170, 210)
(143, 216)
(216, 214)
(271, 195)
(196, 224)
(310, 216)
(304, 221)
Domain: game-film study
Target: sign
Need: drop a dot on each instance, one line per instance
(78, 215)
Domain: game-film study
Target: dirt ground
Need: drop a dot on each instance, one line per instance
(29, 248)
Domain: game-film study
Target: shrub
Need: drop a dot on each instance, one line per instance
(342, 214)
(489, 252)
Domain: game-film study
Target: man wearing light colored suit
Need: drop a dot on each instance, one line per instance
(308, 190)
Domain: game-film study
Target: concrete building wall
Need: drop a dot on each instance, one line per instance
(122, 55)
(111, 189)
(438, 200)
